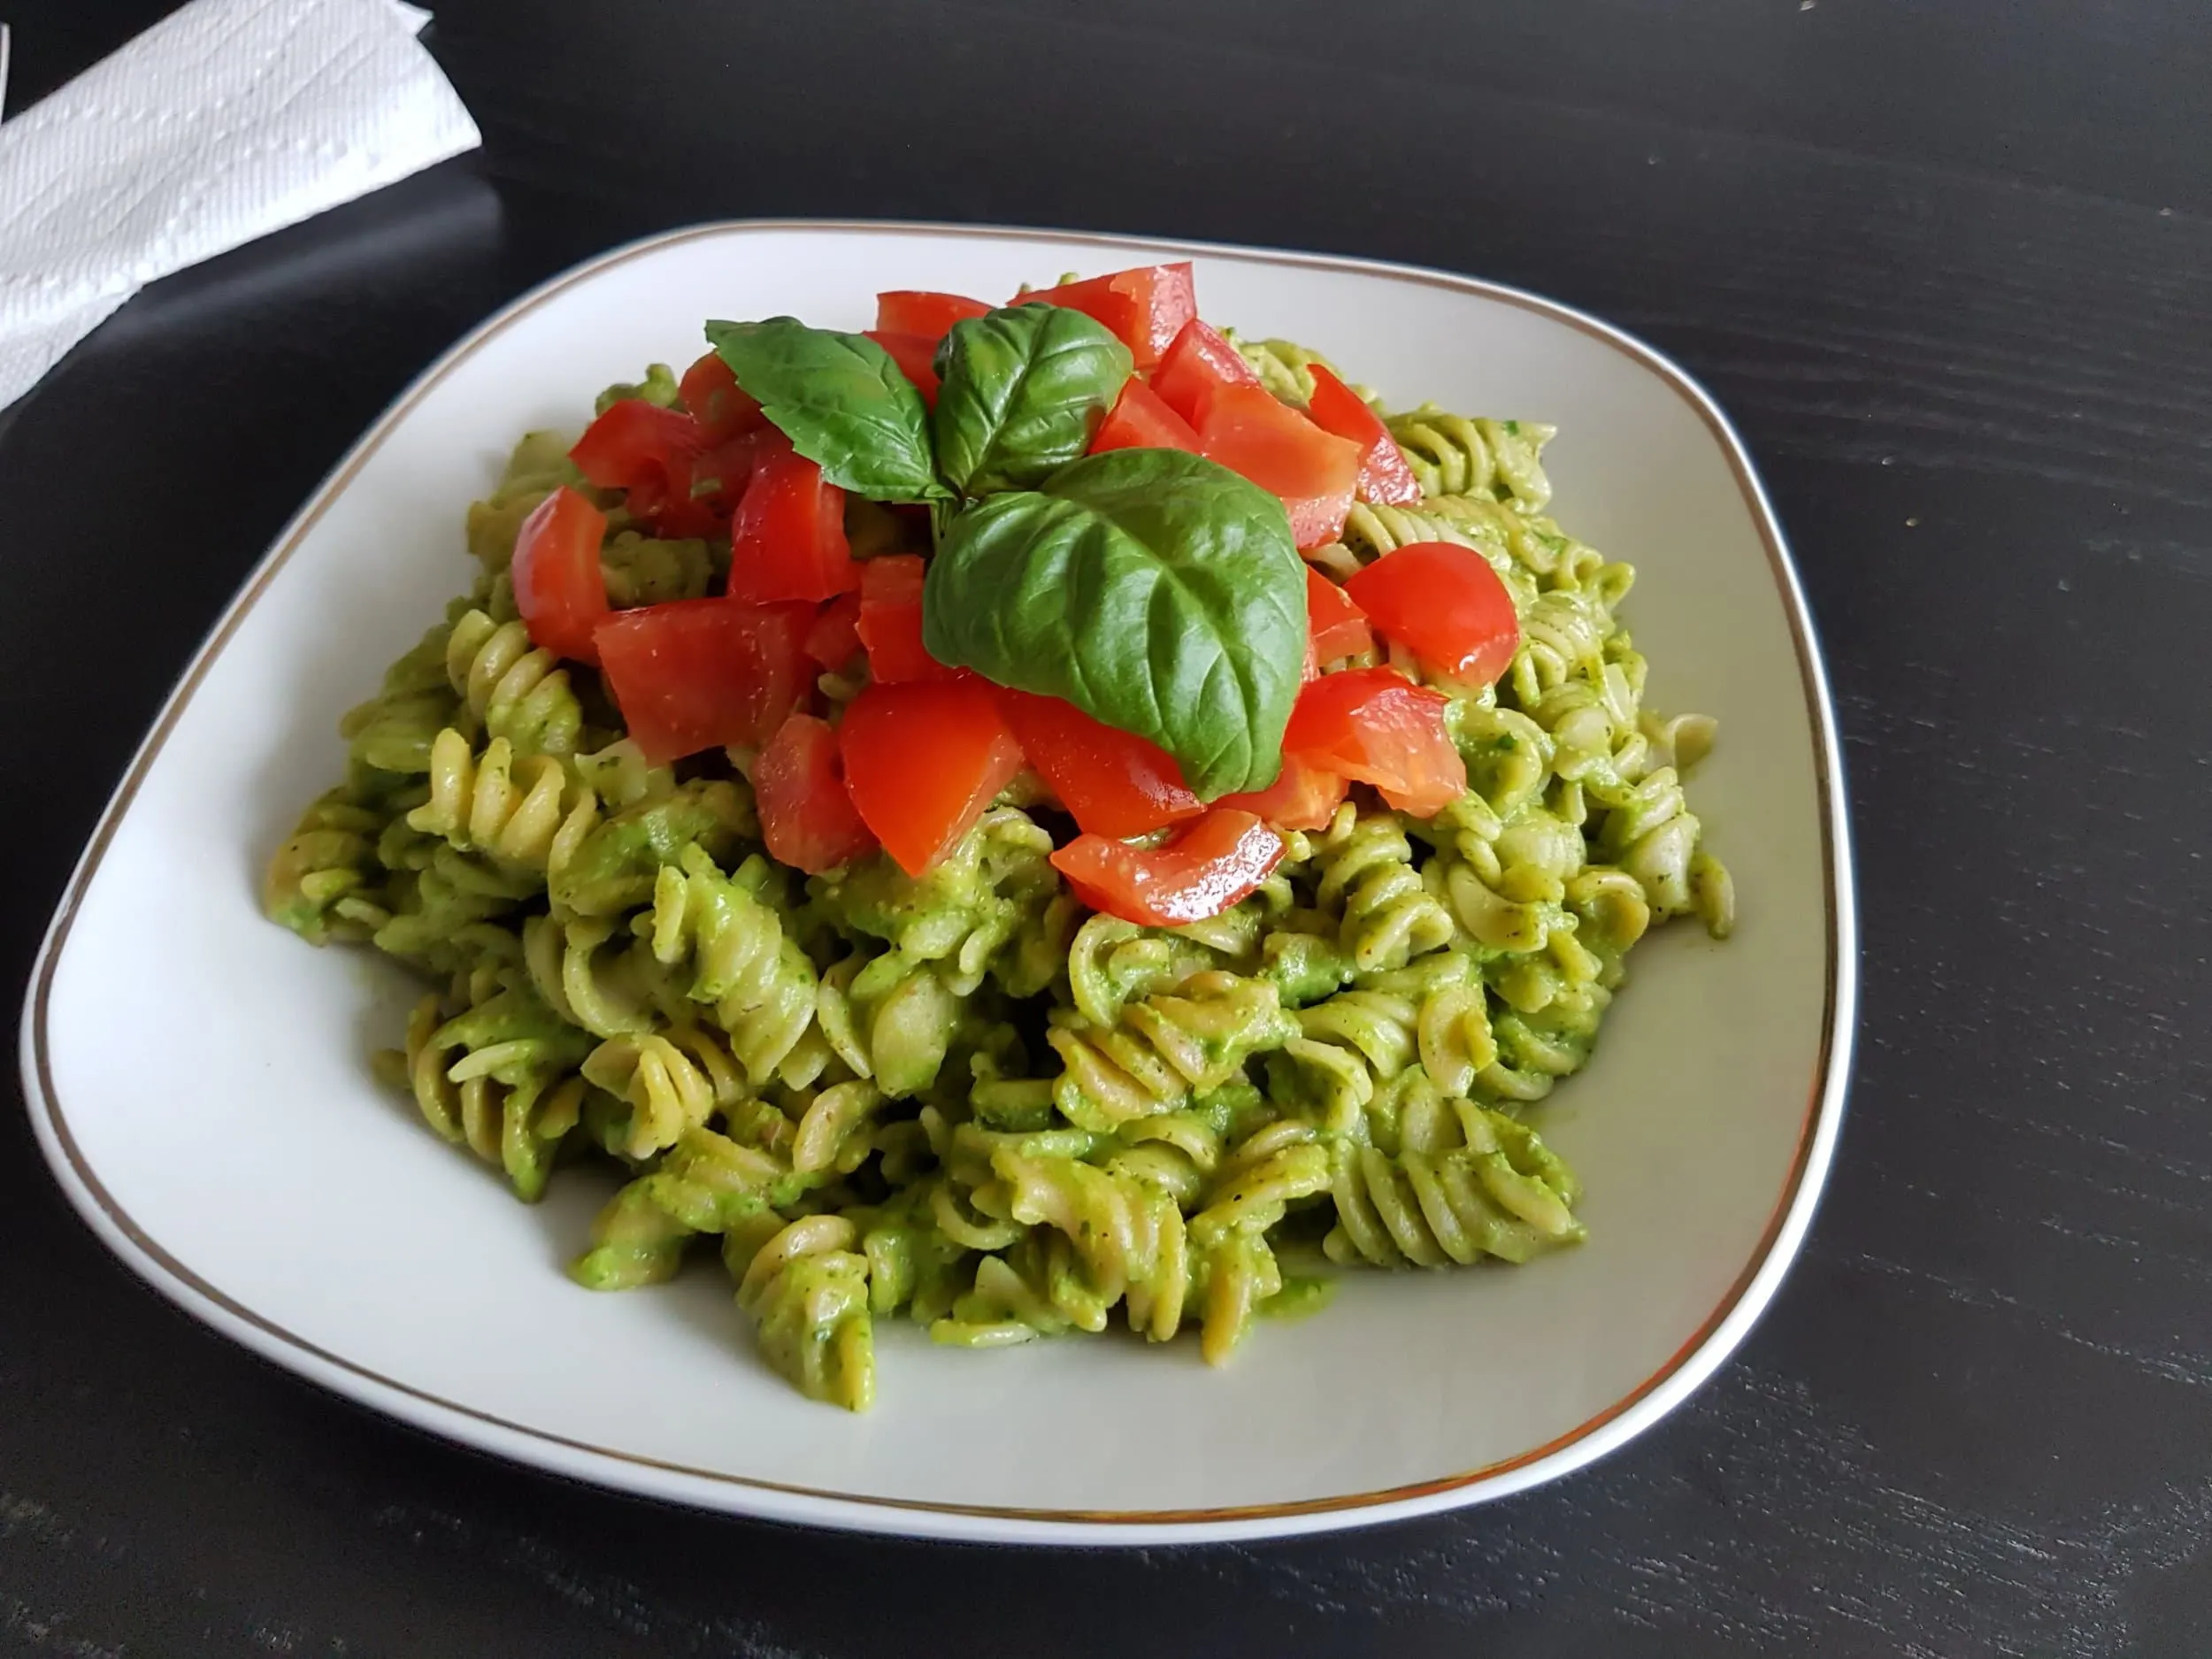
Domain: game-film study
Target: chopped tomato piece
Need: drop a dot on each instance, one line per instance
(636, 443)
(1205, 869)
(1375, 725)
(722, 410)
(721, 475)
(1199, 363)
(696, 673)
(890, 621)
(916, 356)
(917, 311)
(787, 540)
(835, 638)
(647, 452)
(923, 760)
(1445, 604)
(1112, 782)
(1303, 798)
(806, 818)
(1384, 475)
(1336, 623)
(559, 588)
(1248, 430)
(1147, 306)
(1140, 420)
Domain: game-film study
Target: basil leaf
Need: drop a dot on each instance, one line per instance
(842, 402)
(1155, 590)
(1024, 389)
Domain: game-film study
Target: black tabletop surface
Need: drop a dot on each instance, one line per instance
(1945, 263)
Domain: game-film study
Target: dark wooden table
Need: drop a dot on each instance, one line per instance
(1946, 264)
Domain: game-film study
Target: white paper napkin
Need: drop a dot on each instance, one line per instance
(225, 122)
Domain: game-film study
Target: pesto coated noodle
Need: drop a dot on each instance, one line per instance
(965, 1097)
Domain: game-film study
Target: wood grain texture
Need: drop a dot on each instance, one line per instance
(1946, 267)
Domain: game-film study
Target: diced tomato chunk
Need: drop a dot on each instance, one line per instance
(923, 760)
(787, 540)
(806, 818)
(1140, 420)
(1303, 798)
(647, 452)
(1248, 430)
(636, 442)
(697, 674)
(834, 639)
(1199, 363)
(1112, 782)
(1336, 622)
(1146, 306)
(1445, 604)
(559, 588)
(890, 621)
(1384, 474)
(1375, 725)
(916, 356)
(721, 408)
(1206, 868)
(917, 311)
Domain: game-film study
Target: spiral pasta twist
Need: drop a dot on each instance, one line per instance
(523, 813)
(891, 1019)
(1501, 1193)
(993, 887)
(1163, 1049)
(760, 983)
(496, 1078)
(807, 1291)
(1453, 455)
(392, 731)
(1367, 880)
(671, 1082)
(617, 865)
(510, 688)
(1125, 1235)
(322, 882)
(705, 1182)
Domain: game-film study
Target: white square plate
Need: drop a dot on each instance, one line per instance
(230, 1145)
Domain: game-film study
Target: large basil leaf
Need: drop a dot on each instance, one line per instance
(1024, 389)
(842, 402)
(1159, 592)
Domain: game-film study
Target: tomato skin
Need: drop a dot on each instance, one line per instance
(1198, 363)
(636, 443)
(721, 408)
(916, 356)
(890, 621)
(1140, 420)
(1375, 725)
(647, 452)
(806, 818)
(1216, 862)
(787, 540)
(559, 588)
(1336, 624)
(1146, 306)
(834, 639)
(1113, 783)
(1384, 475)
(697, 674)
(1445, 604)
(922, 761)
(918, 312)
(1303, 798)
(1248, 430)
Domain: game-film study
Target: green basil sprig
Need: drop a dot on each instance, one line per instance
(1024, 389)
(842, 400)
(1158, 591)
